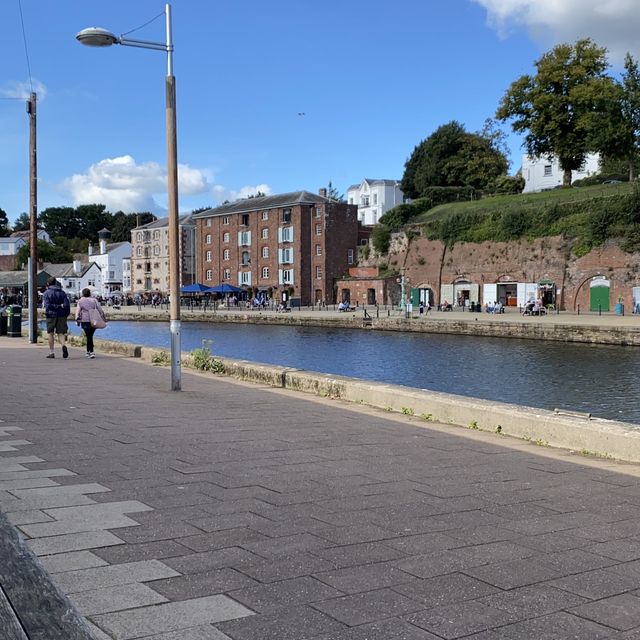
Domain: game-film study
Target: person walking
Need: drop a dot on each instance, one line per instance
(83, 317)
(56, 309)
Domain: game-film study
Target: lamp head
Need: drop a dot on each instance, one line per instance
(97, 37)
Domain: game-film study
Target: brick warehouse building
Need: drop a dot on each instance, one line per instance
(293, 245)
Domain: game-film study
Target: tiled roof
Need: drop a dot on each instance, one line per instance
(164, 222)
(375, 182)
(66, 270)
(11, 239)
(266, 202)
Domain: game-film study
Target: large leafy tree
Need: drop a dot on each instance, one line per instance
(61, 221)
(554, 108)
(123, 223)
(616, 131)
(453, 157)
(93, 218)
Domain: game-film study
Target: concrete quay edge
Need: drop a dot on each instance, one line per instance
(564, 430)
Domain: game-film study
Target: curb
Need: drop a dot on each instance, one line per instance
(564, 430)
(31, 605)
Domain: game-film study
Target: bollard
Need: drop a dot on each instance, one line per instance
(578, 309)
(599, 310)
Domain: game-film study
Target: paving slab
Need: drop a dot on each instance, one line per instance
(235, 512)
(146, 621)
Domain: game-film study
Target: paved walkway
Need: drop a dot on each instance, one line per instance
(512, 315)
(241, 512)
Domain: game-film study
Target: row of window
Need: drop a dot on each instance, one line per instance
(146, 235)
(282, 253)
(264, 215)
(285, 234)
(285, 276)
(139, 251)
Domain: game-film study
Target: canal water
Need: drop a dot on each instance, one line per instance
(599, 379)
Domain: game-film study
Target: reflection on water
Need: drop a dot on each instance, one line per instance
(596, 378)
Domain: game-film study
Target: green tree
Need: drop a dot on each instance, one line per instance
(554, 108)
(22, 223)
(334, 194)
(616, 131)
(124, 223)
(453, 157)
(61, 221)
(46, 252)
(5, 228)
(93, 218)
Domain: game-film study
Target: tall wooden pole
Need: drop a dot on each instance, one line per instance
(174, 216)
(33, 221)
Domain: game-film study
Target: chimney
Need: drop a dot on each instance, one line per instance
(90, 252)
(77, 266)
(103, 236)
(323, 192)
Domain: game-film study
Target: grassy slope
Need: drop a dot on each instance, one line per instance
(518, 201)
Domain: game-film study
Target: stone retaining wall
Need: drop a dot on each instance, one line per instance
(591, 334)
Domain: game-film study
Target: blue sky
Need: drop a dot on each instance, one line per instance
(372, 78)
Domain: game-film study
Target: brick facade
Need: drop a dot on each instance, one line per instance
(297, 244)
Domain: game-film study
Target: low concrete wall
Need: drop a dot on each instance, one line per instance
(594, 436)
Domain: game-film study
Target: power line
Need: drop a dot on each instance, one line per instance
(142, 25)
(26, 50)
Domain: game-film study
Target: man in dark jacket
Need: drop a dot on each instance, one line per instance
(56, 308)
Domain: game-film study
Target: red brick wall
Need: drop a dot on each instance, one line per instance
(339, 233)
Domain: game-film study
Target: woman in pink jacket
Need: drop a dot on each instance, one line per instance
(86, 304)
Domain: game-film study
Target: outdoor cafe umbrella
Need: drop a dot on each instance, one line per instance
(196, 287)
(224, 288)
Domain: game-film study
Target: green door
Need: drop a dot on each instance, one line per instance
(599, 299)
(415, 297)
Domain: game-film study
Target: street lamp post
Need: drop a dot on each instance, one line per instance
(98, 37)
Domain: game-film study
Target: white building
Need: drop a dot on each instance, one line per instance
(149, 269)
(41, 234)
(545, 173)
(110, 258)
(74, 277)
(11, 246)
(374, 198)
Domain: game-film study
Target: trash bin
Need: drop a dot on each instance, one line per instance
(3, 321)
(14, 321)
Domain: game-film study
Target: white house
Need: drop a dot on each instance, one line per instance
(11, 246)
(74, 277)
(374, 198)
(41, 235)
(545, 173)
(110, 258)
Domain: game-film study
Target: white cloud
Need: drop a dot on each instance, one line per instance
(22, 90)
(221, 193)
(123, 185)
(610, 23)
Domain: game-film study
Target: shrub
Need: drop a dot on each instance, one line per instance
(161, 358)
(203, 360)
(381, 238)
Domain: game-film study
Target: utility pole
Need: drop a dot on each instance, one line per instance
(33, 222)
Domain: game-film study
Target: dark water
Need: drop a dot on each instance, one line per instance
(599, 379)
